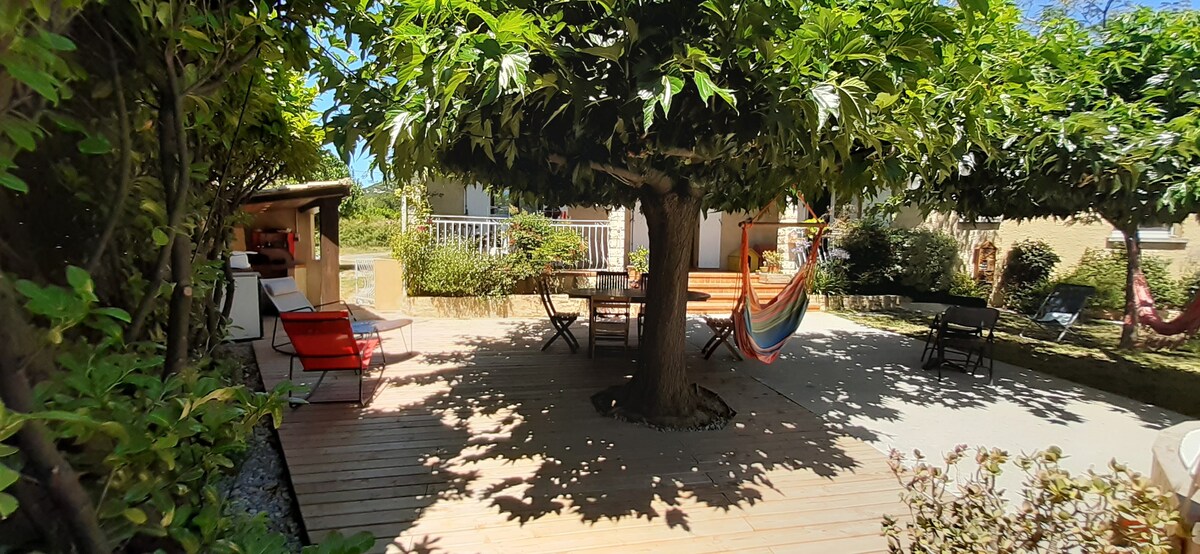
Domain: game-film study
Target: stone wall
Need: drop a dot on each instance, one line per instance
(857, 303)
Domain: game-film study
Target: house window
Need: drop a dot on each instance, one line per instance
(1150, 236)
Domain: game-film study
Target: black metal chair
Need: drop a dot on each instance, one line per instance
(560, 321)
(1062, 308)
(969, 331)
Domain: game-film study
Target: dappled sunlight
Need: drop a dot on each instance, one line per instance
(502, 444)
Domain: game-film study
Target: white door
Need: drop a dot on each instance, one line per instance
(478, 201)
(710, 241)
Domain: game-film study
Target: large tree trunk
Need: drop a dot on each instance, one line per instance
(659, 392)
(1133, 256)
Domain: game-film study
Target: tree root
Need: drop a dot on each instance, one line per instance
(707, 410)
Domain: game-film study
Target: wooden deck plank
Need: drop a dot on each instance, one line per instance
(482, 443)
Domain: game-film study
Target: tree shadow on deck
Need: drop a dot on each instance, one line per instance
(520, 435)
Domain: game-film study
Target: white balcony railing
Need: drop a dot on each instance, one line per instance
(488, 234)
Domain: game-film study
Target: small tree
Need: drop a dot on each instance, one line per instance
(1103, 123)
(678, 105)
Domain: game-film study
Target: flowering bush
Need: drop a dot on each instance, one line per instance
(952, 511)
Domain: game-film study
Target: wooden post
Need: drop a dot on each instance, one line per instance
(331, 289)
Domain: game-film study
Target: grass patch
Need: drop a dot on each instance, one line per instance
(1165, 378)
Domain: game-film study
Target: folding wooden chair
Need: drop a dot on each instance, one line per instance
(612, 280)
(560, 321)
(722, 330)
(325, 341)
(608, 321)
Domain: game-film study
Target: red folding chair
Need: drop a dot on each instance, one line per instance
(324, 341)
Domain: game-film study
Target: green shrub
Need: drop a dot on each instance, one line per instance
(1191, 284)
(1106, 270)
(831, 277)
(450, 269)
(963, 285)
(536, 245)
(926, 259)
(157, 446)
(367, 233)
(873, 259)
(1025, 280)
(952, 510)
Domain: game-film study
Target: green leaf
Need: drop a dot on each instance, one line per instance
(57, 42)
(8, 505)
(134, 515)
(7, 476)
(513, 67)
(159, 237)
(95, 144)
(12, 182)
(114, 313)
(79, 279)
(42, 7)
(648, 108)
(36, 79)
(670, 85)
(7, 450)
(704, 85)
(21, 134)
(707, 89)
(828, 102)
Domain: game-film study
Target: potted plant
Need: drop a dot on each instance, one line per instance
(772, 261)
(639, 264)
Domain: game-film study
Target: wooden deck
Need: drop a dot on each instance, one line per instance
(479, 442)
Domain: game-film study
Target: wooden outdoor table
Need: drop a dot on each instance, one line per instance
(637, 296)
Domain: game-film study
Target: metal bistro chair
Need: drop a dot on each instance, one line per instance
(560, 321)
(325, 341)
(1061, 309)
(609, 321)
(970, 331)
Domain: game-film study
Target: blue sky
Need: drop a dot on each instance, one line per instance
(360, 164)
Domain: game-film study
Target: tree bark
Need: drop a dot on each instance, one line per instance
(180, 309)
(73, 505)
(1133, 256)
(659, 392)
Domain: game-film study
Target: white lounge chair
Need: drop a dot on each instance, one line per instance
(285, 296)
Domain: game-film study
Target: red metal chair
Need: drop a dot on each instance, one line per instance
(324, 341)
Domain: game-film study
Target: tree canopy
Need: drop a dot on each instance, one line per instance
(586, 102)
(1104, 122)
(677, 104)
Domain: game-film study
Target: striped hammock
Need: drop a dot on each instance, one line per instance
(762, 328)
